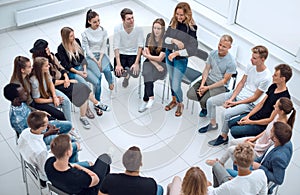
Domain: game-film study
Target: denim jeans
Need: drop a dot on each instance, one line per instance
(64, 127)
(176, 70)
(106, 66)
(66, 105)
(92, 77)
(74, 157)
(238, 131)
(160, 190)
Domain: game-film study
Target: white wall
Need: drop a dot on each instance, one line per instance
(36, 10)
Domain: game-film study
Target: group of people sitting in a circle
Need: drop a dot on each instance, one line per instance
(258, 112)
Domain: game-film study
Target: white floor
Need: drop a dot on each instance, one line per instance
(170, 145)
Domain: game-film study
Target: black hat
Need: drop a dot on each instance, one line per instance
(39, 45)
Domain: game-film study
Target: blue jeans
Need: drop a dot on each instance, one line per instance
(160, 190)
(66, 105)
(64, 127)
(74, 157)
(106, 66)
(238, 131)
(93, 77)
(176, 70)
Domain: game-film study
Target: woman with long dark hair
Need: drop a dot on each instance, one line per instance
(154, 66)
(94, 45)
(78, 93)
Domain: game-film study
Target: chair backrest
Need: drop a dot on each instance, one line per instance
(34, 172)
(234, 77)
(53, 189)
(190, 75)
(32, 169)
(233, 81)
(271, 187)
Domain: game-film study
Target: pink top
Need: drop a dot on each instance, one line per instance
(264, 142)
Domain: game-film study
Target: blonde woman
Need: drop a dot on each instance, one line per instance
(194, 183)
(72, 59)
(43, 90)
(181, 42)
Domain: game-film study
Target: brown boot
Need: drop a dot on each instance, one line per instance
(172, 104)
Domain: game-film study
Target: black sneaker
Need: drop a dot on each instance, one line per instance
(208, 128)
(218, 141)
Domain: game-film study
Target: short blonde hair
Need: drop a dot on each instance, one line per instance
(243, 155)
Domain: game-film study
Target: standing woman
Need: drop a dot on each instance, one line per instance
(94, 44)
(43, 90)
(72, 59)
(78, 93)
(181, 42)
(154, 66)
(21, 72)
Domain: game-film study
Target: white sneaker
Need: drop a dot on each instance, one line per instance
(85, 122)
(150, 103)
(143, 107)
(75, 134)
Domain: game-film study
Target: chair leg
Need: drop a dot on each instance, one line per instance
(116, 86)
(140, 86)
(163, 95)
(25, 176)
(23, 169)
(193, 103)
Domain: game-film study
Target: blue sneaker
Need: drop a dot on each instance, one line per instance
(208, 128)
(203, 113)
(218, 141)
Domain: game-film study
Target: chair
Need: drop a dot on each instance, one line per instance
(189, 77)
(271, 187)
(52, 189)
(34, 172)
(233, 80)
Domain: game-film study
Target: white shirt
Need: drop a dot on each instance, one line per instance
(255, 80)
(255, 183)
(128, 43)
(34, 150)
(94, 41)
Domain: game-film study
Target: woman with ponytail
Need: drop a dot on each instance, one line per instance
(94, 45)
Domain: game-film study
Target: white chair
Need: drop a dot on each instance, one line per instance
(54, 190)
(272, 187)
(28, 167)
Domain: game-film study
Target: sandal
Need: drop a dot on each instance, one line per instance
(98, 111)
(179, 109)
(171, 105)
(89, 113)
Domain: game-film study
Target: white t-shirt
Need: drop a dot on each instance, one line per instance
(255, 183)
(128, 43)
(255, 80)
(34, 150)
